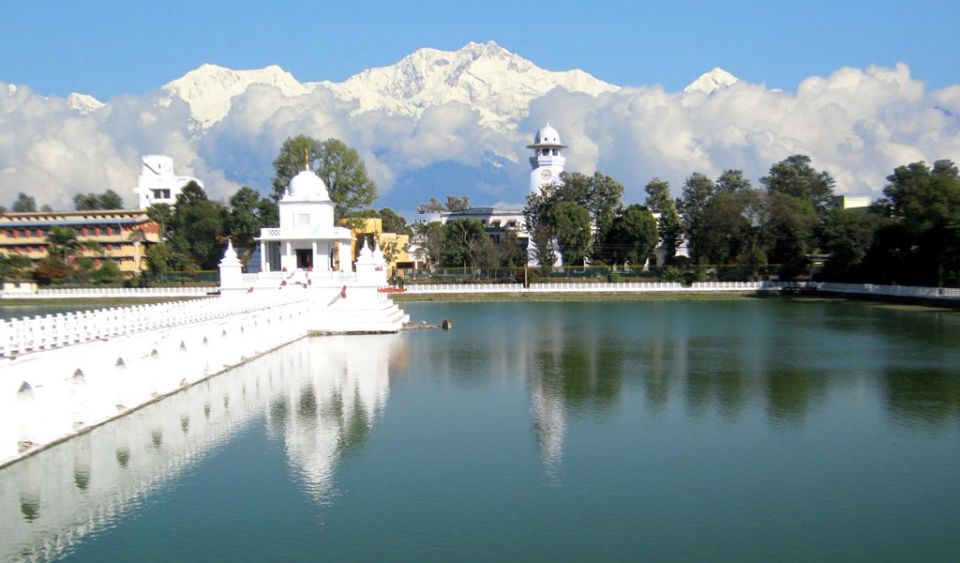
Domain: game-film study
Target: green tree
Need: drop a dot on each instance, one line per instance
(24, 203)
(571, 226)
(511, 252)
(107, 273)
(724, 228)
(432, 238)
(846, 236)
(794, 176)
(458, 203)
(110, 200)
(432, 206)
(249, 212)
(697, 192)
(84, 202)
(13, 267)
(63, 243)
(50, 270)
(465, 243)
(162, 214)
(159, 259)
(732, 181)
(668, 226)
(540, 229)
(789, 230)
(338, 165)
(394, 223)
(632, 236)
(196, 229)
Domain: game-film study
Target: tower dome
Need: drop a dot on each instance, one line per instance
(547, 137)
(307, 186)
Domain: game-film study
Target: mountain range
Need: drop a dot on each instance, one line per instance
(486, 77)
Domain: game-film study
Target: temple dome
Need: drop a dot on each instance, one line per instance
(547, 137)
(307, 186)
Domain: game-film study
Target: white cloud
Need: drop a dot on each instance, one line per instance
(858, 124)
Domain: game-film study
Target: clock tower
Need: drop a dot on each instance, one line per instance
(547, 162)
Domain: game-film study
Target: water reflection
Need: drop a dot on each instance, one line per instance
(319, 396)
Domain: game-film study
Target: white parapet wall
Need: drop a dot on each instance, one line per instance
(31, 292)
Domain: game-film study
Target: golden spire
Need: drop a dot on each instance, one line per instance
(306, 159)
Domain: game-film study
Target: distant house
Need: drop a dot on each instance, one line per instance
(123, 235)
(395, 246)
(851, 201)
(158, 183)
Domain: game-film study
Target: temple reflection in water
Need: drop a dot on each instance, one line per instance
(319, 395)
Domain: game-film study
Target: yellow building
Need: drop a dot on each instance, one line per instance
(394, 245)
(123, 235)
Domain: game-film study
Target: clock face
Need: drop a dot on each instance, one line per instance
(545, 174)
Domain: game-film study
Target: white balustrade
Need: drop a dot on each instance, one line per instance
(18, 336)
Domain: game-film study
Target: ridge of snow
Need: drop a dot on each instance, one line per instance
(485, 76)
(209, 89)
(83, 103)
(709, 82)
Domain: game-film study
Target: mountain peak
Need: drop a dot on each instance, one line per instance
(83, 103)
(209, 88)
(711, 81)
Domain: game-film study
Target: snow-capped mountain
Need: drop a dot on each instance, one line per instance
(710, 82)
(209, 88)
(497, 83)
(487, 77)
(84, 103)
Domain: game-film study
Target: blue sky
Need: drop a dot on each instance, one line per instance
(109, 48)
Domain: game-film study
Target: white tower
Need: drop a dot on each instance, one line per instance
(547, 162)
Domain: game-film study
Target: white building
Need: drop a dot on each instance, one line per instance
(158, 183)
(307, 238)
(547, 160)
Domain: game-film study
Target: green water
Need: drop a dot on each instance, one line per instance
(730, 430)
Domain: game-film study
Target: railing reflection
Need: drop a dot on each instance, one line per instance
(321, 396)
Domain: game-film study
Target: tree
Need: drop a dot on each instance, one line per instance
(13, 267)
(541, 233)
(110, 200)
(159, 258)
(63, 243)
(598, 194)
(465, 243)
(847, 236)
(196, 229)
(927, 205)
(632, 236)
(794, 176)
(511, 252)
(570, 223)
(697, 191)
(668, 226)
(84, 202)
(162, 214)
(732, 181)
(724, 228)
(107, 273)
(394, 223)
(458, 203)
(338, 165)
(789, 230)
(24, 203)
(432, 237)
(50, 270)
(249, 212)
(433, 206)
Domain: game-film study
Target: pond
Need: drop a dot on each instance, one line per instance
(664, 429)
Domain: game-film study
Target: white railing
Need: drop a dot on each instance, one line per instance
(713, 286)
(111, 292)
(29, 334)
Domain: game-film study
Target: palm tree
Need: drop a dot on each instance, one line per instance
(63, 242)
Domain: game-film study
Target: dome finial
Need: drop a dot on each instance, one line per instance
(306, 159)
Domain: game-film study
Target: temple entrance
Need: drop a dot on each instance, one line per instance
(304, 259)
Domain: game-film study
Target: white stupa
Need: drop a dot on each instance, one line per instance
(547, 160)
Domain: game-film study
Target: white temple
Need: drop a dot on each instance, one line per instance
(307, 238)
(158, 183)
(307, 257)
(547, 160)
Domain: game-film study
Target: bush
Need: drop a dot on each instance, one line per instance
(672, 274)
(613, 277)
(107, 273)
(50, 270)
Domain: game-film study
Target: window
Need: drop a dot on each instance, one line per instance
(115, 230)
(303, 219)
